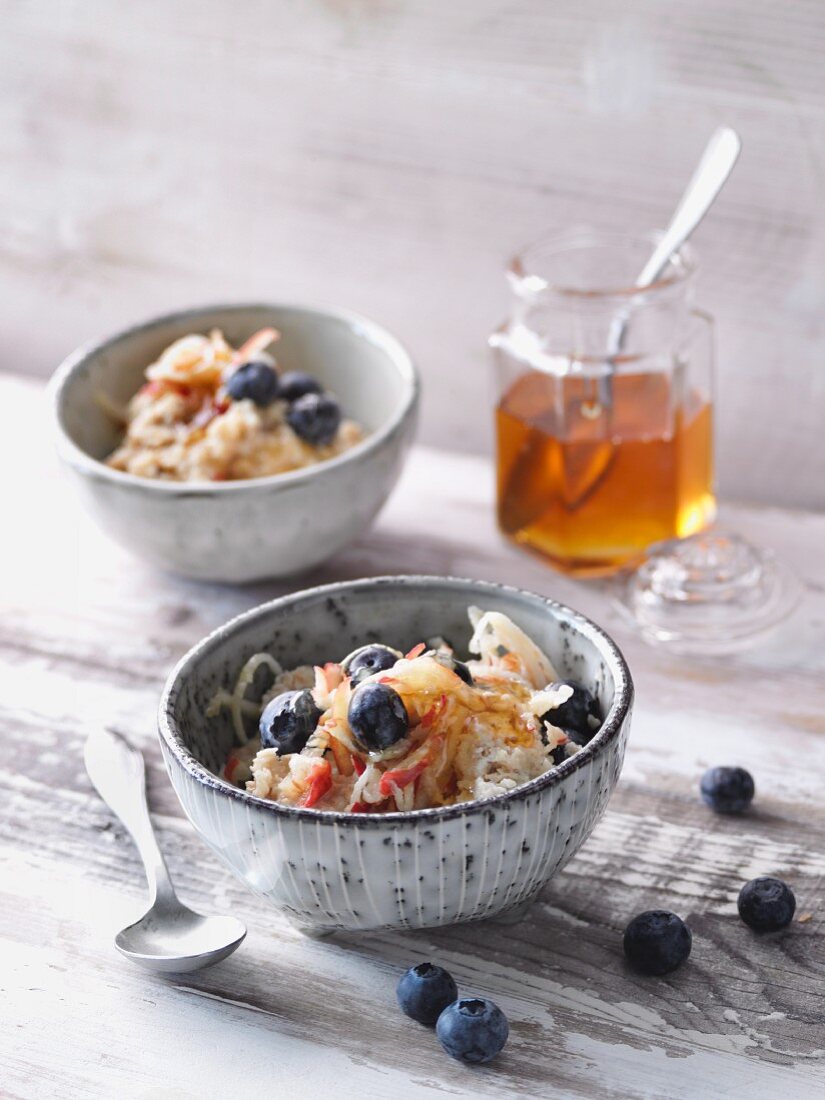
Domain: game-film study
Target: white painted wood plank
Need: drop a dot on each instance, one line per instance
(558, 974)
(390, 157)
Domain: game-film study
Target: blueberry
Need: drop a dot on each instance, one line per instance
(315, 417)
(295, 383)
(656, 942)
(454, 665)
(377, 716)
(766, 904)
(579, 738)
(472, 1030)
(463, 673)
(559, 753)
(288, 720)
(254, 381)
(727, 790)
(579, 716)
(574, 735)
(424, 991)
(367, 660)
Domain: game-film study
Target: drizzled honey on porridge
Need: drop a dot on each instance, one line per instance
(381, 731)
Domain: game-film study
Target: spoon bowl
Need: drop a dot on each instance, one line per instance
(178, 940)
(169, 938)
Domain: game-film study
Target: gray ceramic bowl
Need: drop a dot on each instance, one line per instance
(329, 870)
(264, 527)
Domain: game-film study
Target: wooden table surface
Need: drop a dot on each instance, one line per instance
(87, 637)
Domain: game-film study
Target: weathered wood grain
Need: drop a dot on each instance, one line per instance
(559, 974)
(86, 637)
(390, 155)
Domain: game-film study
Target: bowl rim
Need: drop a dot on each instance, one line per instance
(77, 458)
(611, 726)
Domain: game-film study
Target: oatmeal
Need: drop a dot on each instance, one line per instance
(381, 731)
(208, 412)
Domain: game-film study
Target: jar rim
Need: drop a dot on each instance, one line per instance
(527, 281)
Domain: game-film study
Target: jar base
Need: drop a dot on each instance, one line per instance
(579, 568)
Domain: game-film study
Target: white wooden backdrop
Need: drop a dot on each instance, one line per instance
(390, 154)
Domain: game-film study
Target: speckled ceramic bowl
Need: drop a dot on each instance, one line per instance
(240, 531)
(329, 870)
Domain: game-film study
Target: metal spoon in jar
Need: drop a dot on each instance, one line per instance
(169, 938)
(717, 162)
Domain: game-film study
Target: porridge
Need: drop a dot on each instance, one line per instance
(381, 731)
(208, 412)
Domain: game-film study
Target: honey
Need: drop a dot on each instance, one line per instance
(589, 479)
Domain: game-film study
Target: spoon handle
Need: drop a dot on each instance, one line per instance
(118, 773)
(707, 181)
(717, 162)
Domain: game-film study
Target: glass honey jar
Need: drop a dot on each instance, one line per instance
(604, 446)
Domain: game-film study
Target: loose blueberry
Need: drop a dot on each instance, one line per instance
(473, 1030)
(657, 941)
(254, 381)
(579, 715)
(295, 383)
(368, 660)
(424, 991)
(315, 417)
(377, 716)
(727, 790)
(288, 720)
(766, 904)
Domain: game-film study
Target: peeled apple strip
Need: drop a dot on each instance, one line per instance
(495, 634)
(550, 698)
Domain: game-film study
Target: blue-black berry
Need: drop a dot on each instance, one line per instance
(559, 753)
(368, 660)
(579, 717)
(727, 790)
(473, 1030)
(377, 716)
(254, 381)
(315, 418)
(656, 942)
(288, 720)
(766, 904)
(295, 383)
(424, 991)
(448, 660)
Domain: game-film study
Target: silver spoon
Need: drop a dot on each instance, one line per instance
(717, 162)
(708, 179)
(169, 938)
